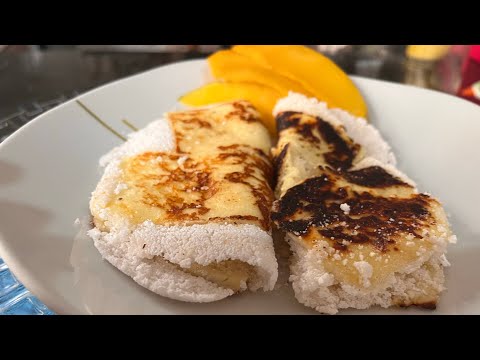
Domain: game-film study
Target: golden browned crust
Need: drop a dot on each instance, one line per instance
(219, 171)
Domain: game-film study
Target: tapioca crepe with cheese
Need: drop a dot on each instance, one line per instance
(183, 206)
(360, 232)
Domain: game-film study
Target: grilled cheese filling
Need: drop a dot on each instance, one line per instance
(231, 274)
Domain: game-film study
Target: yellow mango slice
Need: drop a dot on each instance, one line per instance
(315, 72)
(232, 67)
(262, 98)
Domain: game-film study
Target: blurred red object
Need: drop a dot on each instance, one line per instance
(470, 85)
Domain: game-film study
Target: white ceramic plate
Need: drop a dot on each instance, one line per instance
(49, 168)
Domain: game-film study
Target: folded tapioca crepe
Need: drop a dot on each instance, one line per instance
(183, 207)
(360, 232)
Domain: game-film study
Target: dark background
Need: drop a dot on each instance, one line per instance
(35, 78)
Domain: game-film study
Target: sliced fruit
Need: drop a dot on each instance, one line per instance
(262, 97)
(315, 72)
(233, 67)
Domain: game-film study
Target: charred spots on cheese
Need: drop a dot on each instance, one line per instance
(250, 158)
(291, 202)
(244, 111)
(302, 125)
(260, 190)
(313, 207)
(167, 185)
(185, 122)
(182, 185)
(236, 218)
(287, 120)
(190, 120)
(184, 189)
(278, 161)
(400, 210)
(373, 177)
(305, 127)
(256, 174)
(342, 150)
(299, 202)
(228, 147)
(306, 131)
(262, 153)
(258, 151)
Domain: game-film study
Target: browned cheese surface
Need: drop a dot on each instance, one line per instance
(386, 221)
(220, 171)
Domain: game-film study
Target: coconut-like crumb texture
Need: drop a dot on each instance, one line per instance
(154, 255)
(153, 266)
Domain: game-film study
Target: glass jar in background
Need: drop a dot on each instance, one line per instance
(437, 67)
(419, 73)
